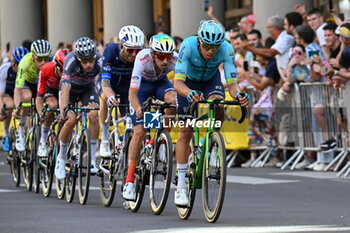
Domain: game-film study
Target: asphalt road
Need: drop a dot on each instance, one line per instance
(257, 200)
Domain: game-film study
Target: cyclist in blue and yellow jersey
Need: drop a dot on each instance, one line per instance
(26, 83)
(196, 77)
(80, 70)
(8, 73)
(118, 62)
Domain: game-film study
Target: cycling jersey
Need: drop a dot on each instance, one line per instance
(73, 71)
(26, 71)
(47, 77)
(7, 79)
(192, 65)
(113, 69)
(144, 68)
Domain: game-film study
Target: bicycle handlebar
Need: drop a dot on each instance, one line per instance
(217, 102)
(110, 109)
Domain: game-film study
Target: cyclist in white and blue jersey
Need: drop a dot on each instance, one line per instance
(196, 77)
(118, 62)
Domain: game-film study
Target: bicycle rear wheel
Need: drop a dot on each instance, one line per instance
(36, 163)
(84, 166)
(161, 171)
(71, 175)
(47, 171)
(14, 159)
(184, 213)
(60, 184)
(27, 169)
(214, 178)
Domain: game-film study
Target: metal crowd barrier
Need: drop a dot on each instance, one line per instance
(304, 98)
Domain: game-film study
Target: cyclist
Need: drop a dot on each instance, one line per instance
(26, 83)
(196, 77)
(118, 62)
(149, 77)
(81, 68)
(8, 73)
(49, 79)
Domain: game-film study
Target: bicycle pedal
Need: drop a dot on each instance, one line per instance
(175, 181)
(193, 165)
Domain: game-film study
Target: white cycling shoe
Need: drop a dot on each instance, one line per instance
(181, 197)
(129, 192)
(105, 150)
(60, 170)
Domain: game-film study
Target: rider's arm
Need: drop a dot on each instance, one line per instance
(181, 70)
(230, 71)
(3, 77)
(42, 83)
(106, 72)
(64, 97)
(20, 79)
(39, 102)
(135, 83)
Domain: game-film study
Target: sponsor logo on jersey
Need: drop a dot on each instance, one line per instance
(233, 75)
(179, 62)
(124, 39)
(145, 57)
(232, 53)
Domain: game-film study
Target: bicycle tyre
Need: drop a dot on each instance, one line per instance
(184, 213)
(139, 182)
(159, 196)
(212, 205)
(84, 166)
(124, 171)
(60, 184)
(36, 163)
(27, 168)
(108, 182)
(71, 175)
(48, 171)
(15, 167)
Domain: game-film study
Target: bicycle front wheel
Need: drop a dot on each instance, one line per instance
(27, 161)
(14, 159)
(46, 175)
(160, 174)
(71, 167)
(36, 163)
(214, 177)
(84, 166)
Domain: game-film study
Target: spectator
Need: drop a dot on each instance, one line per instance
(178, 40)
(332, 42)
(241, 53)
(291, 20)
(255, 39)
(284, 41)
(316, 22)
(26, 44)
(246, 24)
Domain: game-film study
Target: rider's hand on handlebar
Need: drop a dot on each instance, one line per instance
(139, 113)
(113, 101)
(62, 119)
(243, 98)
(14, 114)
(195, 96)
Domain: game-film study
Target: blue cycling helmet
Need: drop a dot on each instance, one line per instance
(18, 53)
(211, 32)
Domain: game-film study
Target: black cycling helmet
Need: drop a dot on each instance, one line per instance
(85, 48)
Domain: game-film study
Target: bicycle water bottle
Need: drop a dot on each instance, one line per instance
(201, 142)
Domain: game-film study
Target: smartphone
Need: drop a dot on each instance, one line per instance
(8, 46)
(256, 69)
(206, 5)
(245, 65)
(330, 4)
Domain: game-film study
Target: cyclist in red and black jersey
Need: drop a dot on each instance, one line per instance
(49, 80)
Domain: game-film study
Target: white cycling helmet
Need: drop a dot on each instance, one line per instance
(131, 36)
(41, 48)
(85, 48)
(162, 43)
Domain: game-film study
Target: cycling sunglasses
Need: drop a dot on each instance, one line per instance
(131, 51)
(40, 59)
(209, 46)
(163, 56)
(88, 60)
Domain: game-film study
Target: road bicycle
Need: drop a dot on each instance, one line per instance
(114, 169)
(154, 167)
(207, 164)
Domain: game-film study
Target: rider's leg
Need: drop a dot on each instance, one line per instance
(94, 129)
(170, 113)
(103, 117)
(45, 128)
(26, 96)
(134, 151)
(9, 104)
(66, 135)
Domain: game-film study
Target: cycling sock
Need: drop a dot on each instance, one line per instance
(44, 133)
(181, 174)
(63, 150)
(93, 149)
(21, 123)
(104, 131)
(6, 130)
(131, 171)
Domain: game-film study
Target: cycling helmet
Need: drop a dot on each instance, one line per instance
(41, 48)
(131, 36)
(18, 53)
(85, 48)
(162, 43)
(211, 32)
(60, 56)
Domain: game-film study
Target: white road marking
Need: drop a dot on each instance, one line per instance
(257, 229)
(9, 190)
(309, 174)
(255, 180)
